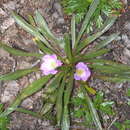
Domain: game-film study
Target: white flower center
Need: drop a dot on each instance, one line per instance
(79, 72)
(51, 64)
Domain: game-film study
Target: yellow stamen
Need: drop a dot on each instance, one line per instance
(79, 72)
(53, 64)
(35, 39)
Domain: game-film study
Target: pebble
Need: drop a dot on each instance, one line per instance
(3, 53)
(23, 65)
(27, 103)
(55, 15)
(127, 26)
(126, 52)
(2, 12)
(58, 7)
(11, 5)
(10, 92)
(125, 39)
(61, 21)
(6, 24)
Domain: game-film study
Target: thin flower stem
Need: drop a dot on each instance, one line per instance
(35, 114)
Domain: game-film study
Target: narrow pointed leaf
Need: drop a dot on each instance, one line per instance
(73, 33)
(19, 52)
(43, 28)
(51, 99)
(54, 84)
(46, 108)
(111, 63)
(92, 55)
(59, 102)
(68, 49)
(93, 111)
(109, 67)
(105, 42)
(35, 86)
(90, 90)
(89, 14)
(31, 20)
(49, 103)
(26, 92)
(17, 74)
(108, 23)
(29, 112)
(29, 28)
(67, 96)
(105, 69)
(42, 47)
(41, 22)
(117, 79)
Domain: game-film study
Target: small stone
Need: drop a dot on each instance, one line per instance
(58, 8)
(127, 25)
(125, 39)
(27, 103)
(6, 24)
(38, 75)
(126, 52)
(61, 21)
(23, 65)
(119, 85)
(2, 12)
(10, 92)
(55, 15)
(11, 5)
(124, 1)
(3, 53)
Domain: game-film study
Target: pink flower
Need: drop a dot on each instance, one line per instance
(49, 64)
(82, 72)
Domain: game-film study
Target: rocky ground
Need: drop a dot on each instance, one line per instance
(14, 36)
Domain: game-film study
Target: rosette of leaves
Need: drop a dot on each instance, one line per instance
(80, 7)
(69, 50)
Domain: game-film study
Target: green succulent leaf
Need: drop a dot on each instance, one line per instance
(93, 111)
(19, 52)
(108, 23)
(42, 23)
(28, 112)
(31, 20)
(43, 28)
(110, 67)
(4, 122)
(67, 95)
(43, 47)
(111, 63)
(49, 103)
(18, 73)
(105, 42)
(68, 49)
(51, 94)
(59, 102)
(89, 14)
(29, 28)
(115, 79)
(26, 92)
(128, 92)
(46, 108)
(91, 55)
(51, 87)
